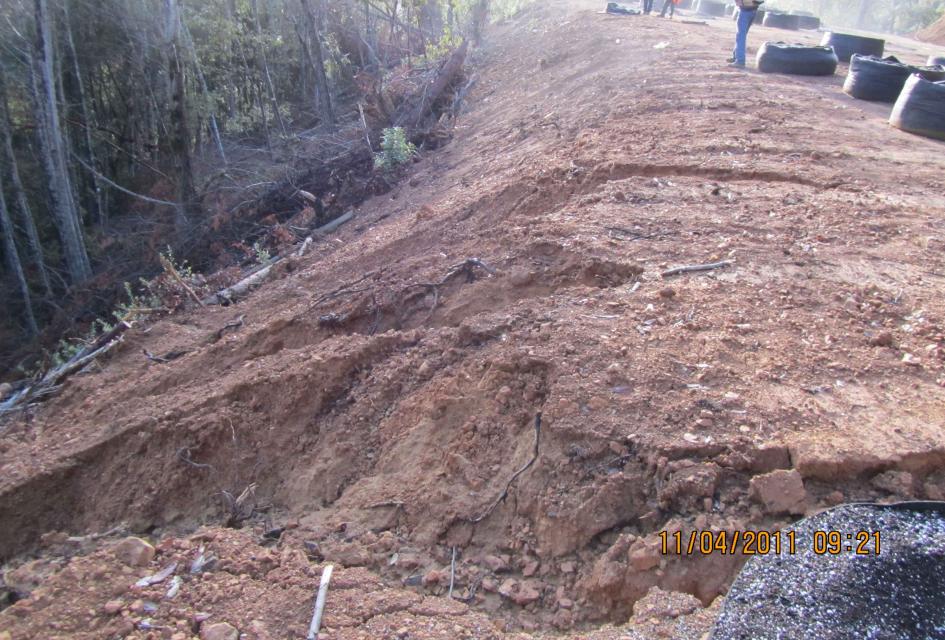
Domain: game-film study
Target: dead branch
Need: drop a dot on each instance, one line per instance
(153, 358)
(694, 268)
(172, 271)
(167, 357)
(183, 454)
(343, 289)
(232, 324)
(304, 247)
(452, 572)
(319, 604)
(505, 492)
(50, 383)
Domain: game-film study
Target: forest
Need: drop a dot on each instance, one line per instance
(142, 135)
(886, 16)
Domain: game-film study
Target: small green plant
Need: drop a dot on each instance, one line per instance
(183, 269)
(396, 150)
(262, 253)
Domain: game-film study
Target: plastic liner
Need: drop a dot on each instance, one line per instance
(845, 45)
(796, 59)
(920, 109)
(882, 79)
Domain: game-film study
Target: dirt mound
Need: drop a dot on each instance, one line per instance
(934, 33)
(386, 386)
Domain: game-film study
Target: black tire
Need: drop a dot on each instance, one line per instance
(712, 8)
(934, 60)
(876, 79)
(845, 45)
(796, 59)
(809, 22)
(920, 108)
(783, 21)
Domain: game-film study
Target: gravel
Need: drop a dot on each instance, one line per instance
(897, 594)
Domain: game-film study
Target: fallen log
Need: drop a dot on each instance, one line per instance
(254, 279)
(334, 224)
(50, 381)
(451, 69)
(241, 288)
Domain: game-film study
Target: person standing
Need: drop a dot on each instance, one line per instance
(647, 6)
(671, 5)
(747, 10)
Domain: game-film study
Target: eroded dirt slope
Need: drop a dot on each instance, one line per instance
(379, 397)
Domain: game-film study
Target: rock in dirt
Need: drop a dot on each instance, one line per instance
(496, 564)
(219, 631)
(882, 339)
(899, 483)
(780, 491)
(665, 604)
(134, 551)
(27, 576)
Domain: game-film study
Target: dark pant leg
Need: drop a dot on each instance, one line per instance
(668, 4)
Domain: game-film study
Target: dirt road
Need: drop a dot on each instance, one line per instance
(383, 390)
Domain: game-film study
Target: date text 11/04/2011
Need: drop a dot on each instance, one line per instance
(751, 543)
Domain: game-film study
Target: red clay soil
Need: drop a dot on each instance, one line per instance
(934, 33)
(374, 405)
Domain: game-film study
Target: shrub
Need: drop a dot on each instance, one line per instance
(396, 150)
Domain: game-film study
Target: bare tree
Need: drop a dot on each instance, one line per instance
(325, 109)
(62, 203)
(21, 202)
(14, 264)
(180, 129)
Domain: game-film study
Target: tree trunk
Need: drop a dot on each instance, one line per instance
(325, 109)
(13, 261)
(214, 129)
(95, 201)
(264, 68)
(180, 129)
(62, 203)
(25, 214)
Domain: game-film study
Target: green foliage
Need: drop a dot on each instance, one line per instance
(505, 9)
(183, 269)
(262, 254)
(396, 150)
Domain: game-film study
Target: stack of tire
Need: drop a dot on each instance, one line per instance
(811, 23)
(920, 108)
(845, 45)
(711, 8)
(782, 21)
(882, 79)
(796, 59)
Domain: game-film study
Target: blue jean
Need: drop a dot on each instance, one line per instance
(745, 18)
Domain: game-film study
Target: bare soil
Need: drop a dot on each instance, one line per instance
(376, 400)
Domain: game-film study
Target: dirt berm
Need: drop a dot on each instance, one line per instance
(377, 399)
